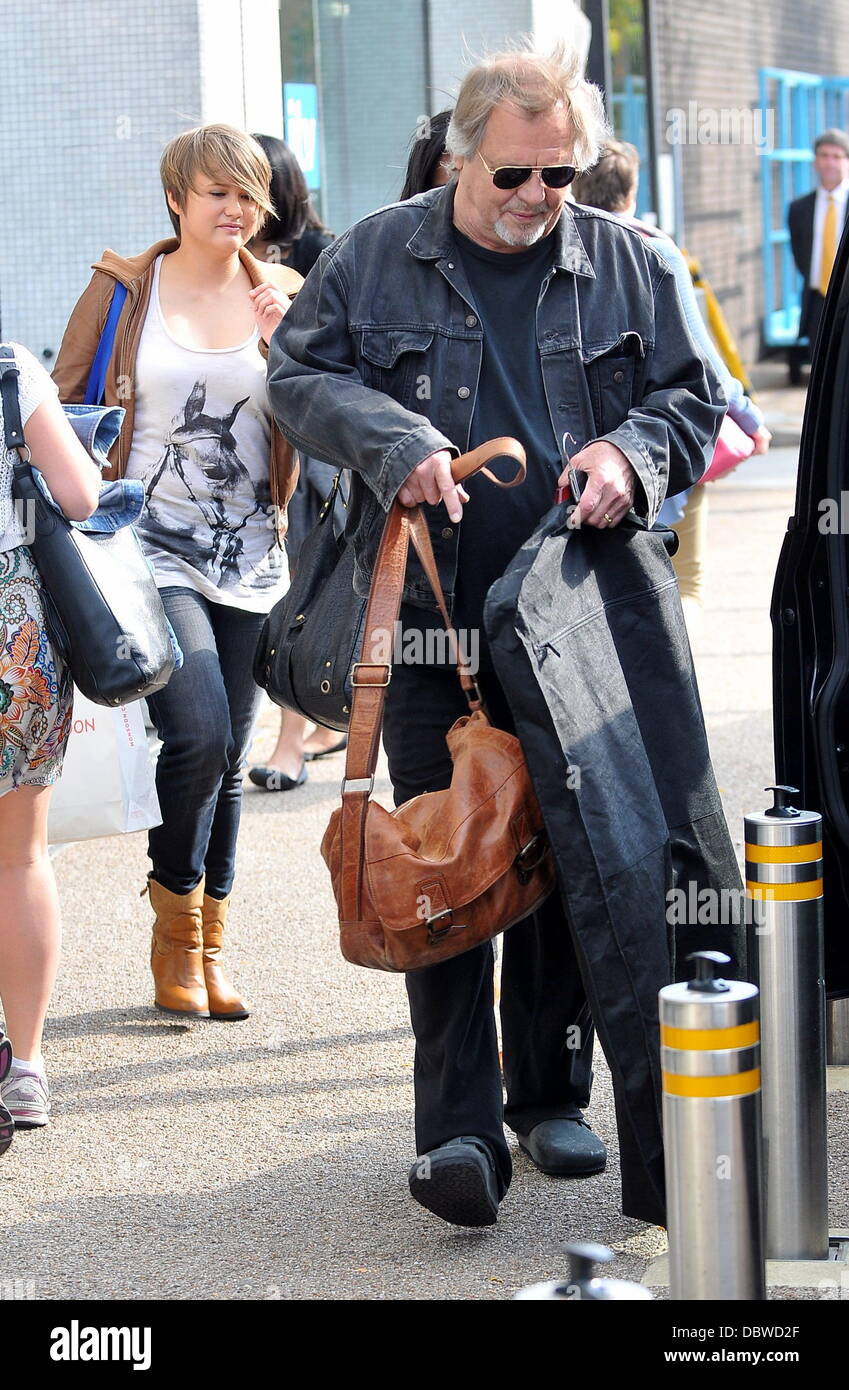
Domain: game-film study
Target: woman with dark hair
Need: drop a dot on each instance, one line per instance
(428, 164)
(295, 237)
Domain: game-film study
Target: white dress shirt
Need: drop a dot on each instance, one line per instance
(840, 194)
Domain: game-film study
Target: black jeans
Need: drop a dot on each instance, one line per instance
(204, 717)
(546, 1024)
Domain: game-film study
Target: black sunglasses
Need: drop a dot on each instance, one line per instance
(513, 176)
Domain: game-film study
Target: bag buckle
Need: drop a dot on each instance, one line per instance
(374, 666)
(529, 858)
(435, 934)
(358, 784)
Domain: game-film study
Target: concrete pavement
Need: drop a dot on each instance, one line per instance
(267, 1159)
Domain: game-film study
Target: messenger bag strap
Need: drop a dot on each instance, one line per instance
(371, 675)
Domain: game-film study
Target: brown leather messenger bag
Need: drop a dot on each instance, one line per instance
(448, 869)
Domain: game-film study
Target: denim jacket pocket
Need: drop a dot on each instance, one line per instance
(395, 362)
(613, 377)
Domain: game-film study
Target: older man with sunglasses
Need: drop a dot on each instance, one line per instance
(491, 307)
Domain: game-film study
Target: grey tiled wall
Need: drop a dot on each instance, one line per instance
(92, 91)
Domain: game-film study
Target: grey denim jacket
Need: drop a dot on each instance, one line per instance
(376, 364)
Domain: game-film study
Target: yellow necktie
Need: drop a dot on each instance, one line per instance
(829, 244)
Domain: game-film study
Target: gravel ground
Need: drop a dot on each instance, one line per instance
(267, 1159)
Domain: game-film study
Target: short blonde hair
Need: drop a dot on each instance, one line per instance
(537, 83)
(219, 151)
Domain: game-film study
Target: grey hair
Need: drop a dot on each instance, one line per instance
(833, 137)
(536, 83)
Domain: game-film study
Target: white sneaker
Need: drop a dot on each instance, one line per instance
(26, 1095)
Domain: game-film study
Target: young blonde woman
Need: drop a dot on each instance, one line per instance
(35, 719)
(189, 365)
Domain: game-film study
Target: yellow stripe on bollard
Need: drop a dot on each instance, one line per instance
(784, 854)
(743, 1083)
(709, 1039)
(785, 892)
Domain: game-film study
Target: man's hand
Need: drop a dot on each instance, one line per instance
(269, 304)
(432, 482)
(611, 482)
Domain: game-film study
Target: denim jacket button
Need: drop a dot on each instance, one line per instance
(471, 321)
(463, 392)
(618, 376)
(450, 265)
(447, 532)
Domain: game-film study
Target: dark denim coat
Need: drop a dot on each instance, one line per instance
(588, 640)
(376, 364)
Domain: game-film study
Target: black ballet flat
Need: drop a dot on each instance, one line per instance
(325, 752)
(271, 779)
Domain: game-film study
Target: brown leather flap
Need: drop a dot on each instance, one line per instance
(442, 850)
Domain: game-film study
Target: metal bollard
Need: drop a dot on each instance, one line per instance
(582, 1285)
(784, 882)
(710, 1059)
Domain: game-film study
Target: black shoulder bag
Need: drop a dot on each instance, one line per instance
(312, 637)
(102, 609)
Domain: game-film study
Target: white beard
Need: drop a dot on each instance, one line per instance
(520, 236)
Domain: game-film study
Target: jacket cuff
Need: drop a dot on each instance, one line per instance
(399, 462)
(652, 482)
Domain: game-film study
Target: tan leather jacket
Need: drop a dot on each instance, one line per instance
(82, 336)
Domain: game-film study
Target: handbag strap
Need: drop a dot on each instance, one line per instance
(371, 675)
(13, 428)
(96, 385)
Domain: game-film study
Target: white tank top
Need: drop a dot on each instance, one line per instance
(201, 445)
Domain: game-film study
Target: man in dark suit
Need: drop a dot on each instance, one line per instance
(816, 222)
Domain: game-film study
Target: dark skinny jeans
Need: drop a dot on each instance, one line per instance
(204, 717)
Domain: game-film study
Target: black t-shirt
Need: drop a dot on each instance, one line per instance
(510, 400)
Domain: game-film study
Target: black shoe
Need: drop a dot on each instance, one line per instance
(271, 779)
(325, 752)
(457, 1181)
(564, 1148)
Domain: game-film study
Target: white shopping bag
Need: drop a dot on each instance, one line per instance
(107, 785)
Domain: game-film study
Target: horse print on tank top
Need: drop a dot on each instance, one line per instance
(201, 456)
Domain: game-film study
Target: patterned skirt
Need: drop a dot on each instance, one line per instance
(36, 692)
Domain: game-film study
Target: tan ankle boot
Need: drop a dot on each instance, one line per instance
(224, 1002)
(176, 954)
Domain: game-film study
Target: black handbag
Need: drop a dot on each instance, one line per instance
(102, 609)
(312, 637)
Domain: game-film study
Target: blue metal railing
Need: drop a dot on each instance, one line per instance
(629, 114)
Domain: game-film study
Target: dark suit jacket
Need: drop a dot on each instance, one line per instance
(800, 220)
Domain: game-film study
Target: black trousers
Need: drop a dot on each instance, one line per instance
(809, 322)
(545, 1020)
